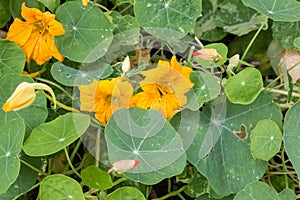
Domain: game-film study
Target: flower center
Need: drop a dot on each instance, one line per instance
(108, 98)
(40, 27)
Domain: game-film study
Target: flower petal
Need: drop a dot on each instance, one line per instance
(19, 32)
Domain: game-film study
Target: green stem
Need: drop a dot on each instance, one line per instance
(61, 104)
(33, 167)
(169, 185)
(282, 92)
(118, 181)
(175, 193)
(250, 44)
(98, 147)
(284, 167)
(282, 173)
(70, 163)
(56, 85)
(75, 150)
(32, 188)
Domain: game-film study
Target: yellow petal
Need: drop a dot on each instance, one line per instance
(87, 96)
(85, 2)
(19, 32)
(31, 14)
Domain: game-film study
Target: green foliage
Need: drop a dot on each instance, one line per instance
(60, 187)
(11, 138)
(265, 140)
(218, 139)
(51, 137)
(244, 87)
(83, 41)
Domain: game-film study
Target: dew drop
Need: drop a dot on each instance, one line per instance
(68, 76)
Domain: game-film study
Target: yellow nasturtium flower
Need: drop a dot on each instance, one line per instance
(105, 97)
(164, 88)
(24, 95)
(36, 35)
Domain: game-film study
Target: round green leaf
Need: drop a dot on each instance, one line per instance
(167, 20)
(8, 84)
(229, 165)
(11, 138)
(265, 139)
(126, 193)
(96, 178)
(287, 194)
(60, 187)
(244, 87)
(291, 131)
(278, 10)
(256, 191)
(51, 137)
(145, 135)
(88, 32)
(205, 89)
(12, 58)
(72, 77)
(26, 179)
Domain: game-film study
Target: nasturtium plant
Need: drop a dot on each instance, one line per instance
(10, 145)
(244, 87)
(156, 99)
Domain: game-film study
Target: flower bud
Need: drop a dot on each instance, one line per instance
(126, 65)
(24, 95)
(208, 54)
(124, 165)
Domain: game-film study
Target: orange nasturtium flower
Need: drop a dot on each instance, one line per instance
(164, 88)
(36, 34)
(24, 95)
(105, 97)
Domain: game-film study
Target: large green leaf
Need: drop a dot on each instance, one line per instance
(229, 166)
(12, 58)
(88, 32)
(244, 87)
(169, 19)
(265, 139)
(8, 84)
(291, 132)
(285, 33)
(287, 194)
(51, 137)
(26, 179)
(50, 4)
(60, 187)
(11, 138)
(278, 10)
(205, 89)
(257, 191)
(73, 77)
(236, 18)
(126, 193)
(95, 178)
(206, 27)
(147, 136)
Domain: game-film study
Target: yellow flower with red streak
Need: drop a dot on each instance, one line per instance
(105, 97)
(36, 34)
(164, 88)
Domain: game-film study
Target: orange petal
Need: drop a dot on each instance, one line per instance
(31, 14)
(87, 96)
(55, 28)
(19, 32)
